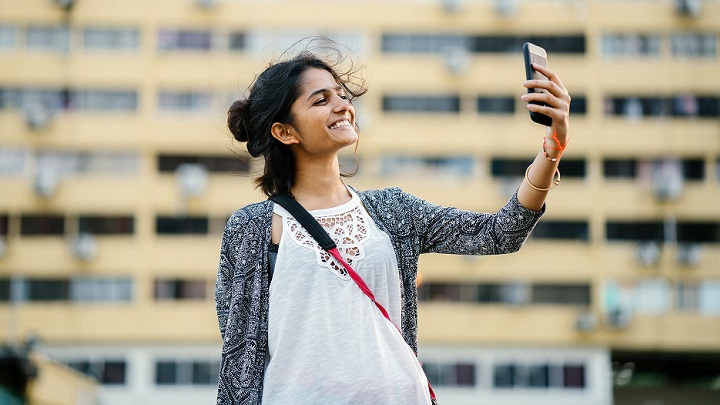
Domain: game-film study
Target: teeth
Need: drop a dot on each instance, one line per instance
(343, 123)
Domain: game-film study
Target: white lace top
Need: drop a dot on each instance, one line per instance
(328, 343)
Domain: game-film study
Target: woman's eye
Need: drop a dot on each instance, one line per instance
(320, 101)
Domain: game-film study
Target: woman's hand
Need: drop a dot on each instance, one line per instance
(540, 176)
(557, 102)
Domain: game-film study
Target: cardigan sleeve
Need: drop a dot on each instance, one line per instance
(451, 230)
(228, 258)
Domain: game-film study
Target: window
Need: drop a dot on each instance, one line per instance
(238, 41)
(184, 101)
(708, 106)
(686, 296)
(538, 375)
(693, 169)
(3, 226)
(565, 294)
(40, 225)
(13, 162)
(189, 372)
(175, 289)
(166, 225)
(115, 39)
(682, 105)
(568, 230)
(620, 168)
(504, 375)
(188, 40)
(502, 167)
(572, 167)
(46, 290)
(630, 45)
(68, 163)
(437, 43)
(421, 104)
(54, 38)
(709, 298)
(108, 372)
(578, 105)
(104, 100)
(635, 230)
(421, 166)
(422, 43)
(694, 45)
(450, 374)
(106, 225)
(8, 37)
(217, 164)
(698, 232)
(506, 293)
(557, 44)
(574, 376)
(33, 99)
(96, 289)
(5, 285)
(496, 104)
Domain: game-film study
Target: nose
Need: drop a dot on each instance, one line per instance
(342, 104)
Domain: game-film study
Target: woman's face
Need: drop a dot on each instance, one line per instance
(323, 119)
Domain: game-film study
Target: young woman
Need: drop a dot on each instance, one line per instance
(311, 336)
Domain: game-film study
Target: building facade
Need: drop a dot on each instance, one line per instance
(117, 175)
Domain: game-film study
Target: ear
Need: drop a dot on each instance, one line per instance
(284, 133)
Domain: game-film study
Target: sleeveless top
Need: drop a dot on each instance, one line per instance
(328, 343)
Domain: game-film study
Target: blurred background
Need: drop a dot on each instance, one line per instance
(117, 175)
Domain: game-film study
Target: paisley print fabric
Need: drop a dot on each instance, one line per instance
(414, 226)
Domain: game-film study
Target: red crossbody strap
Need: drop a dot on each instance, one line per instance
(361, 283)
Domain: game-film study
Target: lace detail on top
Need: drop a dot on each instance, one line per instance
(348, 228)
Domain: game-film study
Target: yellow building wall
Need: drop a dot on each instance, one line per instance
(144, 256)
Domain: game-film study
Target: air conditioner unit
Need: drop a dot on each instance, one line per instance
(688, 254)
(506, 8)
(647, 253)
(37, 116)
(457, 59)
(618, 319)
(667, 179)
(451, 6)
(688, 8)
(45, 183)
(83, 247)
(192, 179)
(585, 321)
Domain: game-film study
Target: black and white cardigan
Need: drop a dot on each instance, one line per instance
(414, 227)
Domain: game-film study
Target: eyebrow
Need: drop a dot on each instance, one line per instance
(324, 90)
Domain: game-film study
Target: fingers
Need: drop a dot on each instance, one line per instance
(551, 75)
(555, 98)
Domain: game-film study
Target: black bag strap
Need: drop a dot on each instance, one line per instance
(305, 219)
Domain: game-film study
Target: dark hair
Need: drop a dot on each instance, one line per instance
(270, 99)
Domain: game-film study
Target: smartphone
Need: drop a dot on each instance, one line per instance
(536, 54)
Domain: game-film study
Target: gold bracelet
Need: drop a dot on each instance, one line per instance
(552, 186)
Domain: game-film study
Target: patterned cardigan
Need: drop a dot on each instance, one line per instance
(413, 225)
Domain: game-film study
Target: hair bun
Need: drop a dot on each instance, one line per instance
(238, 116)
